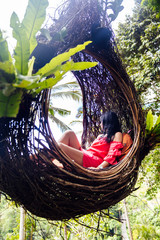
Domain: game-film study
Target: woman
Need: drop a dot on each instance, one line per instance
(103, 151)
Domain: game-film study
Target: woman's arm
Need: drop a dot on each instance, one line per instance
(104, 164)
(117, 138)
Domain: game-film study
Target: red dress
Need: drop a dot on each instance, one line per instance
(101, 151)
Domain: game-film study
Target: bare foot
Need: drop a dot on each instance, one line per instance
(57, 163)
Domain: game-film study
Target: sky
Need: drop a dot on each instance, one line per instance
(19, 6)
(128, 7)
(8, 6)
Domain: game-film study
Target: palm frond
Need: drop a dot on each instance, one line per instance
(68, 85)
(75, 95)
(59, 123)
(63, 90)
(76, 122)
(60, 111)
(80, 112)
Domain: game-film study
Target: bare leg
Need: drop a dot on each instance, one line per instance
(74, 154)
(70, 145)
(69, 138)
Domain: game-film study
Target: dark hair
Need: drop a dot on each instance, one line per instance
(110, 124)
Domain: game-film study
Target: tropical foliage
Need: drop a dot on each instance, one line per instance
(16, 76)
(154, 4)
(63, 93)
(138, 41)
(152, 129)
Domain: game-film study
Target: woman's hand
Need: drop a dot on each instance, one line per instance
(92, 168)
(104, 164)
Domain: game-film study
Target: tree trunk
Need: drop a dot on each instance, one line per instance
(22, 224)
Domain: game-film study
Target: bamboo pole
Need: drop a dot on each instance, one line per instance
(127, 219)
(22, 224)
(65, 232)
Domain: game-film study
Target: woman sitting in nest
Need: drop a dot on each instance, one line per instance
(103, 151)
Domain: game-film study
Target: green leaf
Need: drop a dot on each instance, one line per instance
(30, 66)
(9, 106)
(7, 66)
(143, 2)
(61, 70)
(7, 89)
(21, 53)
(33, 19)
(156, 129)
(47, 83)
(55, 67)
(158, 121)
(25, 81)
(149, 121)
(78, 66)
(154, 119)
(7, 72)
(82, 65)
(50, 68)
(4, 53)
(46, 33)
(112, 17)
(60, 111)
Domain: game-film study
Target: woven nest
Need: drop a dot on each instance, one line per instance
(40, 186)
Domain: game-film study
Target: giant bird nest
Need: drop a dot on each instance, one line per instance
(40, 186)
